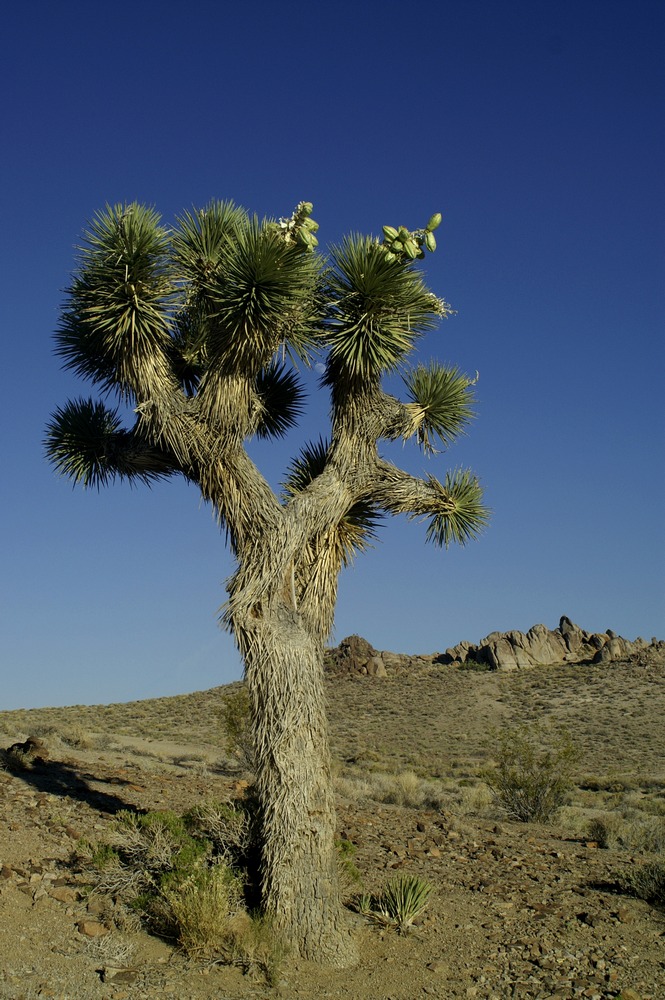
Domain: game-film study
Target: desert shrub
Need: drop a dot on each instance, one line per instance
(401, 901)
(236, 718)
(188, 877)
(597, 830)
(637, 831)
(24, 755)
(619, 829)
(255, 945)
(201, 908)
(403, 789)
(229, 826)
(112, 949)
(152, 855)
(478, 666)
(16, 760)
(160, 844)
(471, 799)
(529, 778)
(349, 876)
(76, 736)
(646, 881)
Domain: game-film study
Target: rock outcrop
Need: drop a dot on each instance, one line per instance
(540, 646)
(355, 655)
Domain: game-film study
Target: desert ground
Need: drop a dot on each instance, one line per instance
(518, 910)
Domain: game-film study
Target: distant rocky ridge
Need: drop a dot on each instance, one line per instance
(514, 650)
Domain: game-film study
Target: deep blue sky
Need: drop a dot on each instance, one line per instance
(535, 128)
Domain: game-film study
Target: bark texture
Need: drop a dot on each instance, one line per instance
(300, 886)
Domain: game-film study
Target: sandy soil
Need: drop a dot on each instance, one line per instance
(518, 910)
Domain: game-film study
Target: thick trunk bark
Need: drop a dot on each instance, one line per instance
(300, 885)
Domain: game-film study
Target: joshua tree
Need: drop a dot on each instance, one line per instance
(198, 330)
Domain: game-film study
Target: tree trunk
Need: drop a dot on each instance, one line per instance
(299, 876)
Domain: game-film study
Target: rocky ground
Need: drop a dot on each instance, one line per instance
(518, 910)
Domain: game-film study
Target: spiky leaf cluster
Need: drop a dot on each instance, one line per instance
(462, 515)
(115, 326)
(441, 404)
(281, 400)
(262, 293)
(379, 308)
(86, 442)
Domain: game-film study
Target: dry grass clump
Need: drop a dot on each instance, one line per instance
(473, 799)
(460, 797)
(255, 945)
(112, 949)
(646, 881)
(404, 789)
(628, 830)
(76, 736)
(203, 907)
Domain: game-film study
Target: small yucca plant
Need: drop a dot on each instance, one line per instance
(402, 900)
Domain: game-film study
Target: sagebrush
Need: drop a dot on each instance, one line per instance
(532, 771)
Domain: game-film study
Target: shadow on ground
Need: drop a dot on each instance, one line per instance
(57, 778)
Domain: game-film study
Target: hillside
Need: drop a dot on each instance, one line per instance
(518, 909)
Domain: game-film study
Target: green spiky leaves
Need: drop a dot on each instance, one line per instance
(461, 515)
(264, 293)
(379, 308)
(86, 442)
(281, 396)
(199, 239)
(115, 325)
(441, 404)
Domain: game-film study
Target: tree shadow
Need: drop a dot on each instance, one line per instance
(57, 778)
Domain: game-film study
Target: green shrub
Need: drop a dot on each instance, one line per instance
(187, 877)
(349, 876)
(236, 718)
(478, 666)
(103, 855)
(202, 907)
(529, 778)
(228, 826)
(152, 856)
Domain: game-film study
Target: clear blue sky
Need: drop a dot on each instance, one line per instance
(536, 128)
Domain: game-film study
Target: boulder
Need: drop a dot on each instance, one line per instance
(375, 667)
(614, 649)
(351, 656)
